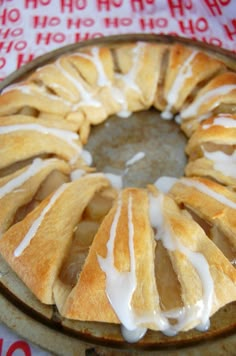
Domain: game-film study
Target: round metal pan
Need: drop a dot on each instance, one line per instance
(42, 324)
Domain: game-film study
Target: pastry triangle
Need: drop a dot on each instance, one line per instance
(215, 133)
(40, 136)
(200, 268)
(217, 165)
(213, 206)
(137, 72)
(187, 67)
(32, 95)
(218, 94)
(211, 150)
(18, 189)
(36, 247)
(127, 223)
(95, 65)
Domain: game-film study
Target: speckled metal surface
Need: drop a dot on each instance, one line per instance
(112, 144)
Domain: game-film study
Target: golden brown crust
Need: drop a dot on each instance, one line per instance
(196, 66)
(188, 233)
(203, 167)
(24, 193)
(209, 208)
(44, 255)
(90, 290)
(208, 132)
(19, 145)
(218, 91)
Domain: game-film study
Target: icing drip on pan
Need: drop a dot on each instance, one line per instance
(137, 157)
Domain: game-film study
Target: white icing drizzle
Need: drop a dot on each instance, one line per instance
(164, 184)
(64, 89)
(211, 193)
(221, 121)
(192, 109)
(95, 59)
(103, 80)
(120, 285)
(115, 180)
(130, 81)
(86, 156)
(17, 86)
(202, 309)
(28, 90)
(36, 224)
(119, 96)
(223, 163)
(137, 157)
(130, 78)
(133, 335)
(86, 96)
(167, 114)
(65, 135)
(37, 165)
(184, 72)
(76, 174)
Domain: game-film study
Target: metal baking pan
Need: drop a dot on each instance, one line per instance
(164, 145)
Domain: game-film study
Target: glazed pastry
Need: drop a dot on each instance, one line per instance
(117, 270)
(129, 211)
(193, 274)
(216, 165)
(187, 68)
(40, 242)
(219, 94)
(19, 188)
(34, 96)
(40, 137)
(97, 68)
(138, 68)
(213, 206)
(212, 150)
(217, 132)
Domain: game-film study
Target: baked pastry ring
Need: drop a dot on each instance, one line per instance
(176, 251)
